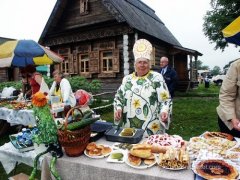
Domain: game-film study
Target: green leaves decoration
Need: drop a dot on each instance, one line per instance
(153, 98)
(149, 132)
(156, 85)
(135, 122)
(128, 86)
(140, 81)
(145, 110)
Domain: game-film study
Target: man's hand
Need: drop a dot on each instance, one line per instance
(164, 116)
(236, 123)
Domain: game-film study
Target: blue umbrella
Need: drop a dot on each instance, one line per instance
(21, 53)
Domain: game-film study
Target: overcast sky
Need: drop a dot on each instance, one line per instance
(25, 19)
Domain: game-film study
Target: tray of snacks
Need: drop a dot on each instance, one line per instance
(174, 159)
(125, 135)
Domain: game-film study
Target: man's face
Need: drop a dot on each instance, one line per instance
(163, 62)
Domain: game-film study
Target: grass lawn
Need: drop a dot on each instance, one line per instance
(192, 116)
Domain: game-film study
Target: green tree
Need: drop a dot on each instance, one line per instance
(200, 65)
(216, 70)
(222, 14)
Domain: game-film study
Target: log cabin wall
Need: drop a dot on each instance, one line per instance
(3, 75)
(161, 49)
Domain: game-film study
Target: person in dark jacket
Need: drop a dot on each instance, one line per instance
(169, 75)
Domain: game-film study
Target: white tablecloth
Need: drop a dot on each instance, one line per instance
(9, 155)
(83, 168)
(14, 117)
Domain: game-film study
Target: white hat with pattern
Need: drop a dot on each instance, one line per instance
(142, 49)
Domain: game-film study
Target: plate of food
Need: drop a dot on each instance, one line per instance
(140, 157)
(140, 163)
(161, 142)
(117, 156)
(174, 159)
(208, 135)
(95, 151)
(174, 169)
(232, 156)
(215, 169)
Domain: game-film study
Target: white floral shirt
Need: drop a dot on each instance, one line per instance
(142, 99)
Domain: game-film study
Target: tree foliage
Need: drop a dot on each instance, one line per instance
(222, 14)
(216, 70)
(200, 65)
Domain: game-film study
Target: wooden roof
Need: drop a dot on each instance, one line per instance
(134, 12)
(141, 17)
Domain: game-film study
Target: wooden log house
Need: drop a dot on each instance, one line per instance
(96, 38)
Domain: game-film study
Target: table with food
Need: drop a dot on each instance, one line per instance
(123, 153)
(95, 149)
(17, 112)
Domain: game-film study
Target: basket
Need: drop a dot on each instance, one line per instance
(74, 142)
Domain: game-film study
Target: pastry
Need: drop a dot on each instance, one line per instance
(95, 152)
(91, 146)
(161, 142)
(213, 169)
(133, 160)
(208, 135)
(141, 151)
(106, 150)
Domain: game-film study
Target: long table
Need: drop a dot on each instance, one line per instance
(10, 156)
(83, 168)
(14, 117)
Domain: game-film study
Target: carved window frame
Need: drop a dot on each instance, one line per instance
(66, 54)
(65, 64)
(83, 7)
(83, 62)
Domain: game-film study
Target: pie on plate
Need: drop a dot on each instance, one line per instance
(208, 135)
(140, 163)
(94, 150)
(213, 169)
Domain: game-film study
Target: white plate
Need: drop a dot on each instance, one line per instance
(195, 163)
(142, 165)
(110, 159)
(173, 169)
(98, 157)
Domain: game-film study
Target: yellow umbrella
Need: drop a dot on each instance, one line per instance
(21, 53)
(232, 32)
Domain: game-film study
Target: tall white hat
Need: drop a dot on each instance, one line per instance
(142, 49)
